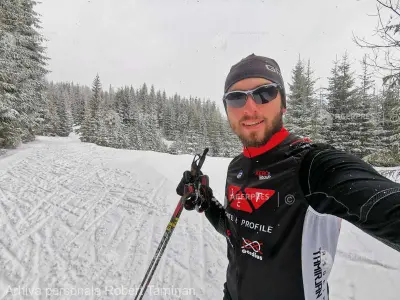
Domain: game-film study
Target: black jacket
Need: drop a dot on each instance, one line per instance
(282, 213)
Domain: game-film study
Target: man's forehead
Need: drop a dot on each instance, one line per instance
(248, 84)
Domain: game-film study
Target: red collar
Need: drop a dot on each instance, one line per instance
(276, 139)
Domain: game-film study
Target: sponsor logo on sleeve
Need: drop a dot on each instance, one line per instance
(322, 262)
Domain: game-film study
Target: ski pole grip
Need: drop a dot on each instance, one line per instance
(195, 169)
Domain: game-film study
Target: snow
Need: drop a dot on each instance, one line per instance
(76, 218)
(167, 142)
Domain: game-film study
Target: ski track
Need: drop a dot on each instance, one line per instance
(70, 218)
(354, 257)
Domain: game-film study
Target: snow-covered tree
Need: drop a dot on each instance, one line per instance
(64, 113)
(296, 102)
(91, 124)
(366, 118)
(22, 71)
(301, 117)
(343, 104)
(78, 104)
(391, 125)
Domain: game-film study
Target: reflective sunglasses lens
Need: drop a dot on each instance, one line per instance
(236, 99)
(265, 94)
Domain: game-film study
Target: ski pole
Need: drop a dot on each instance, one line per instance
(195, 169)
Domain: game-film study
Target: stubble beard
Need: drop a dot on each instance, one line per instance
(269, 131)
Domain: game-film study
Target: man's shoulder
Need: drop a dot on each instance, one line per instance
(295, 145)
(236, 160)
(300, 146)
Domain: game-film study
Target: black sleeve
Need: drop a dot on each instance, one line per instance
(216, 212)
(216, 215)
(341, 184)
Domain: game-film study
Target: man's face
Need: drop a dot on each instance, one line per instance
(242, 120)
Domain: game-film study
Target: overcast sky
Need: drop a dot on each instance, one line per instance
(188, 46)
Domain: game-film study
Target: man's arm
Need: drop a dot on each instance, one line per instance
(341, 184)
(216, 215)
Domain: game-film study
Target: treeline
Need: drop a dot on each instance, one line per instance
(350, 113)
(139, 118)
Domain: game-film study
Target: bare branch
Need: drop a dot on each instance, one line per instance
(385, 57)
(389, 6)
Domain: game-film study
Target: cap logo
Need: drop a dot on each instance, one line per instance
(272, 69)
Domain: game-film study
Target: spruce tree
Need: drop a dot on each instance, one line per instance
(78, 105)
(391, 125)
(301, 117)
(342, 105)
(92, 114)
(296, 101)
(366, 117)
(313, 129)
(22, 71)
(31, 56)
(64, 127)
(51, 118)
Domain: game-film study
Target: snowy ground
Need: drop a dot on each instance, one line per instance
(76, 218)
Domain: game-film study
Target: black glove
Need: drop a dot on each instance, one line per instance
(195, 192)
(187, 178)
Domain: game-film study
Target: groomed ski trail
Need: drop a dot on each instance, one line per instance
(76, 215)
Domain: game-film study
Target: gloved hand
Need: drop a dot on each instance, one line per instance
(191, 199)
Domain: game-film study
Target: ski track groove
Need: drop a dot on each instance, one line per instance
(191, 249)
(132, 254)
(139, 225)
(95, 200)
(32, 182)
(7, 218)
(55, 253)
(98, 218)
(149, 254)
(91, 207)
(203, 252)
(16, 199)
(114, 233)
(33, 229)
(353, 257)
(12, 257)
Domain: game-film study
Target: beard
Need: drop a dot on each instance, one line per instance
(253, 140)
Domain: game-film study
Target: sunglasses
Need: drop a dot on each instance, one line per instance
(261, 95)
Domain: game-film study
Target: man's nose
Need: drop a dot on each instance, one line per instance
(251, 106)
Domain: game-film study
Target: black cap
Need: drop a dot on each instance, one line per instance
(256, 66)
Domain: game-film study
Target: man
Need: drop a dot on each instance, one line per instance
(285, 197)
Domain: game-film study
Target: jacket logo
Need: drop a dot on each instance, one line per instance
(252, 248)
(240, 174)
(254, 196)
(263, 175)
(322, 261)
